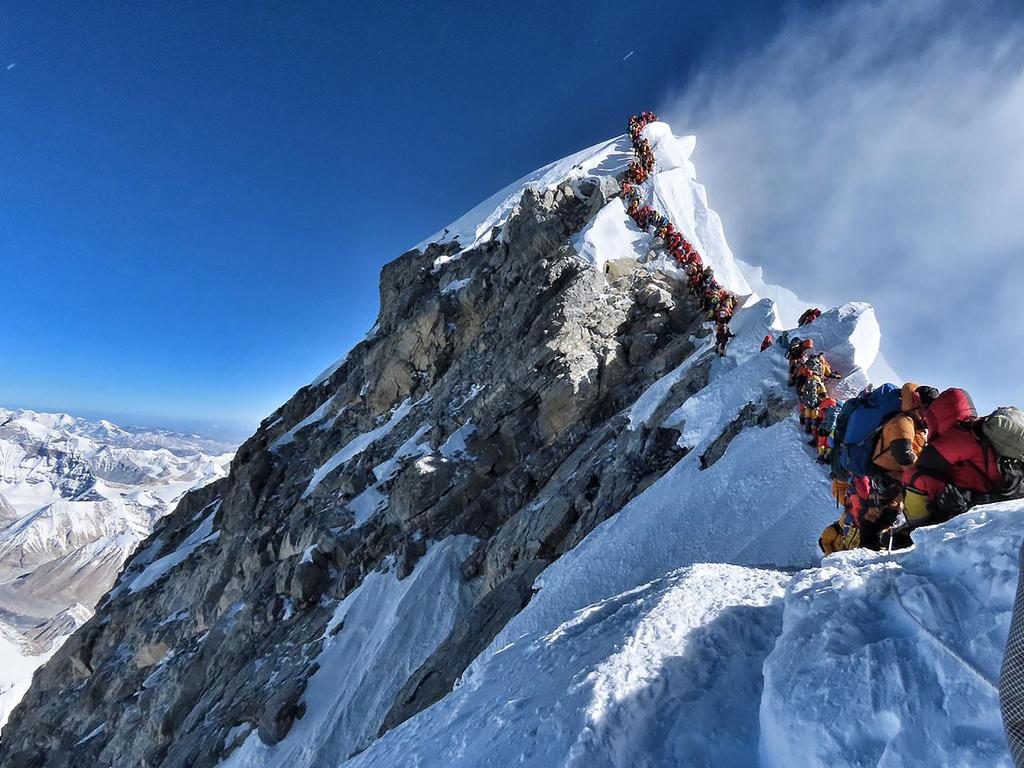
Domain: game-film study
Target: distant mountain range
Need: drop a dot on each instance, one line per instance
(76, 499)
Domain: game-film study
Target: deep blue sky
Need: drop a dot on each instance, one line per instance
(197, 198)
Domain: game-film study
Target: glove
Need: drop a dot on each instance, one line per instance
(953, 501)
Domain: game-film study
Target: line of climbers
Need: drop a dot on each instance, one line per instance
(718, 302)
(902, 457)
(899, 457)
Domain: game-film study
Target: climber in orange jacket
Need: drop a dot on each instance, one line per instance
(903, 436)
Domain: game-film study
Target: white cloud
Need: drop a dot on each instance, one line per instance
(875, 152)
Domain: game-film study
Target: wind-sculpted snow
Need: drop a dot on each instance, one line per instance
(894, 660)
(674, 191)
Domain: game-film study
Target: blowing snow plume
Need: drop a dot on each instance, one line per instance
(873, 152)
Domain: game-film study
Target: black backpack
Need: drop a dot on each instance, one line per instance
(1013, 477)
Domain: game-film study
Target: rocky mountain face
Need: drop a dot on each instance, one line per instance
(487, 403)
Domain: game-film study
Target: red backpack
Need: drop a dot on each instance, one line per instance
(947, 410)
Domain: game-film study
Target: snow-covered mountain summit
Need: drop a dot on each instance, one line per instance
(533, 519)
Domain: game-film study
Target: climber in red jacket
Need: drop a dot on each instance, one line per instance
(809, 316)
(955, 464)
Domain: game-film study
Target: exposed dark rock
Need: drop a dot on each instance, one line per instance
(773, 409)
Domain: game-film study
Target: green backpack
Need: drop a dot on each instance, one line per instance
(1004, 429)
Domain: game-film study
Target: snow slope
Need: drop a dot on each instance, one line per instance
(899, 654)
(745, 509)
(869, 660)
(668, 673)
(673, 190)
(379, 636)
(17, 663)
(609, 158)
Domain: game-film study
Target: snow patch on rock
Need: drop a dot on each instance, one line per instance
(379, 635)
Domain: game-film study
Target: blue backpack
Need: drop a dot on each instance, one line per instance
(865, 415)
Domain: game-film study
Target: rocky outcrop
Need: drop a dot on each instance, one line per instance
(8, 514)
(487, 401)
(773, 409)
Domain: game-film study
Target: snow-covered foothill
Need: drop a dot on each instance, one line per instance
(77, 497)
(380, 634)
(64, 526)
